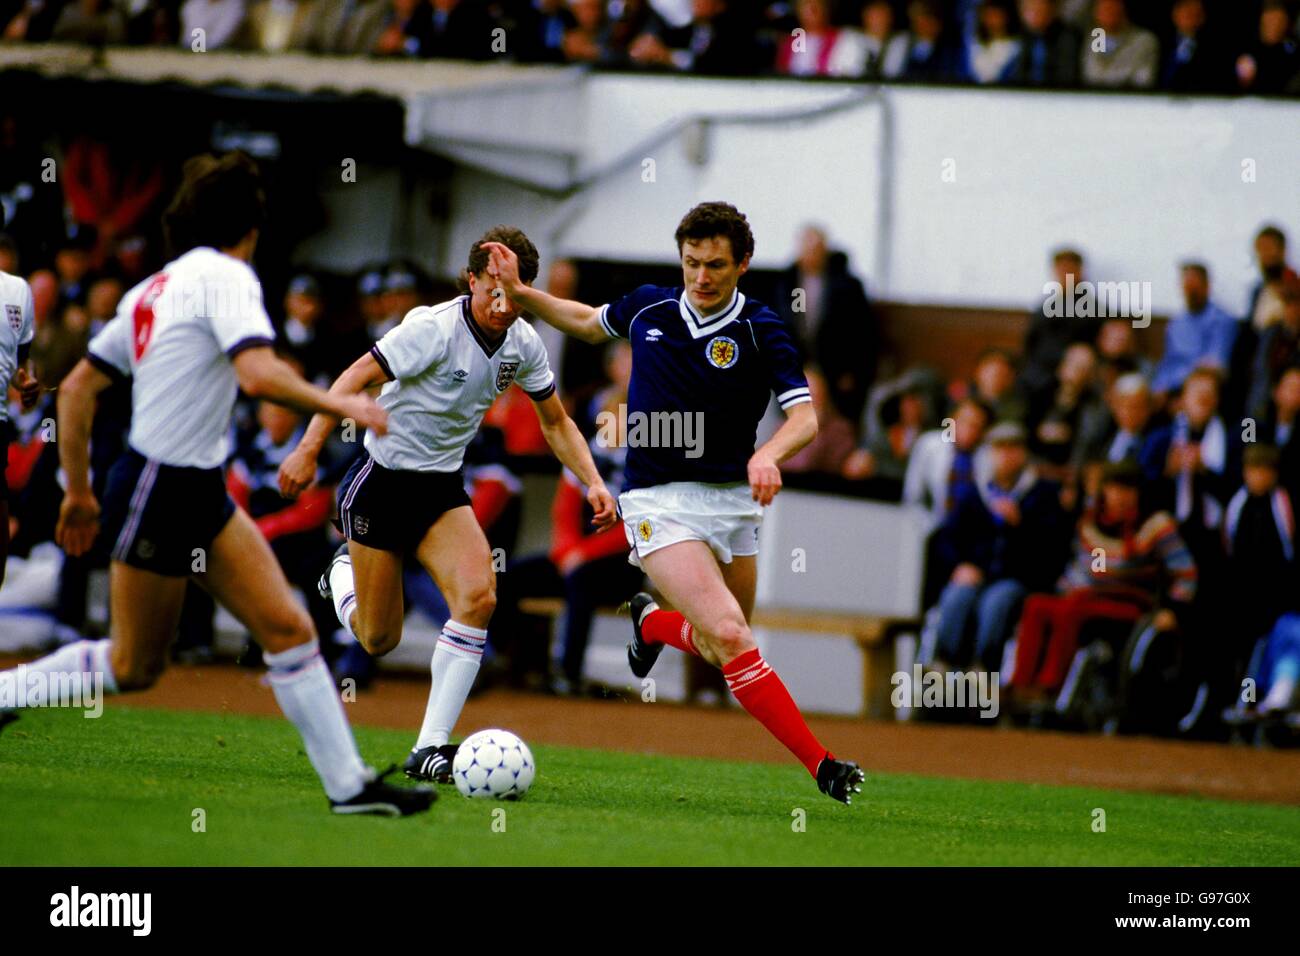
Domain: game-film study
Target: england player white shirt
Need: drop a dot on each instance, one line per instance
(175, 335)
(17, 330)
(446, 375)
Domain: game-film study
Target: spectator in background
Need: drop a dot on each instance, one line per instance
(581, 370)
(1201, 335)
(825, 455)
(1272, 61)
(320, 353)
(1267, 307)
(830, 318)
(1147, 567)
(538, 31)
(109, 191)
(715, 41)
(391, 28)
(585, 40)
(1118, 353)
(1280, 427)
(1049, 335)
(1049, 50)
(1259, 540)
(993, 382)
(1005, 537)
(459, 30)
(1125, 57)
(811, 49)
(73, 261)
(1125, 432)
(994, 48)
(96, 22)
(1194, 61)
(273, 26)
(942, 464)
(219, 21)
(328, 24)
(878, 51)
(933, 56)
(1278, 349)
(1061, 416)
(401, 294)
(1191, 460)
(893, 424)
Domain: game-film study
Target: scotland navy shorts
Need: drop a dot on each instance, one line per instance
(394, 510)
(155, 516)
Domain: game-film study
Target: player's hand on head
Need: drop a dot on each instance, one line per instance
(297, 472)
(503, 264)
(764, 479)
(78, 523)
(602, 502)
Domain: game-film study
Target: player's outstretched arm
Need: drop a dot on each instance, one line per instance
(798, 429)
(572, 318)
(79, 513)
(571, 448)
(298, 470)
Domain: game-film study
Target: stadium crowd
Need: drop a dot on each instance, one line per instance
(1190, 46)
(1113, 535)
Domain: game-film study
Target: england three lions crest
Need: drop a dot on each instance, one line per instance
(506, 374)
(14, 313)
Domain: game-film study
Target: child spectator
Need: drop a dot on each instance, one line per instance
(1127, 562)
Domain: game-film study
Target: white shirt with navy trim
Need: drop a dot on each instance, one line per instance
(445, 376)
(720, 369)
(175, 335)
(17, 329)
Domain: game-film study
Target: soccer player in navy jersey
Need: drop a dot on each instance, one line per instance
(705, 360)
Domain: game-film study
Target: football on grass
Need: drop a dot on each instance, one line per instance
(493, 765)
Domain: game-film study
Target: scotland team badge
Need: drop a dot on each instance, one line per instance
(506, 374)
(722, 352)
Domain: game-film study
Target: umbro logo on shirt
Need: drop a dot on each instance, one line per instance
(653, 335)
(460, 375)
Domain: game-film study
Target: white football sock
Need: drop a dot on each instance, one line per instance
(343, 589)
(306, 694)
(1279, 695)
(80, 657)
(452, 672)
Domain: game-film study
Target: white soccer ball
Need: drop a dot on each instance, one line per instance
(493, 765)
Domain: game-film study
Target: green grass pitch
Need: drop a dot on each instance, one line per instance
(122, 790)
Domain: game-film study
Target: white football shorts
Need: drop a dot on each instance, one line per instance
(725, 517)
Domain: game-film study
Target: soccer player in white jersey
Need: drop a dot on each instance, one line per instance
(691, 510)
(189, 337)
(440, 370)
(16, 333)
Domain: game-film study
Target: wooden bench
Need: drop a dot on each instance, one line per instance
(873, 635)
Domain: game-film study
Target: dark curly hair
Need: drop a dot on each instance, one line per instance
(710, 219)
(514, 240)
(219, 201)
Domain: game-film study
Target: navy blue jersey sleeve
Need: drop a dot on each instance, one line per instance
(616, 317)
(784, 366)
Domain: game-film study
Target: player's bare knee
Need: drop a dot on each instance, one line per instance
(730, 639)
(136, 671)
(476, 604)
(376, 639)
(291, 629)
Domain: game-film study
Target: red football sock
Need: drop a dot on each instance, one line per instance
(669, 627)
(764, 695)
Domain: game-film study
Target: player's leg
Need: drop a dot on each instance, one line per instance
(366, 586)
(145, 608)
(455, 552)
(243, 574)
